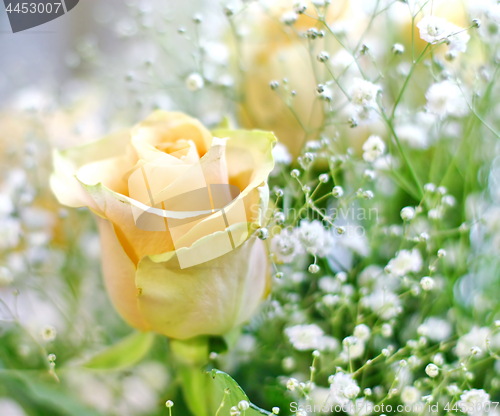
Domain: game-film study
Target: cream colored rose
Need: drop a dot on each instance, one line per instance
(272, 50)
(177, 208)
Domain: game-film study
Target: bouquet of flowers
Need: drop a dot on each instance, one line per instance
(302, 220)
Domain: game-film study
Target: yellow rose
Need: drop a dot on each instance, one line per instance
(272, 50)
(176, 211)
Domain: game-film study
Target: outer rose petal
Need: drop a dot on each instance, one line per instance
(63, 182)
(119, 277)
(207, 299)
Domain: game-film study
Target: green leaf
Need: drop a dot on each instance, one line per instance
(42, 397)
(124, 353)
(230, 394)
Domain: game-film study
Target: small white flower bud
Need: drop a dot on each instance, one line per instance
(300, 7)
(323, 56)
(340, 230)
(295, 173)
(386, 330)
(438, 359)
(427, 283)
(169, 404)
(430, 187)
(407, 213)
(324, 177)
(263, 233)
(475, 350)
(194, 82)
(292, 384)
(338, 191)
(243, 405)
(442, 190)
(432, 370)
(369, 174)
(289, 18)
(398, 49)
(279, 217)
(313, 268)
(367, 194)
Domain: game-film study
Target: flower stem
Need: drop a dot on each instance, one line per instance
(191, 357)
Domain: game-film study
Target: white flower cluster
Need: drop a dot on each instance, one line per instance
(309, 237)
(310, 337)
(435, 29)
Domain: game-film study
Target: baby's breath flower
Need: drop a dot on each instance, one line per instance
(406, 261)
(338, 191)
(309, 337)
(430, 187)
(314, 237)
(436, 329)
(427, 283)
(373, 148)
(433, 29)
(474, 401)
(449, 200)
(324, 177)
(407, 213)
(475, 350)
(386, 330)
(410, 395)
(362, 332)
(313, 268)
(274, 85)
(477, 337)
(398, 49)
(48, 333)
(446, 98)
(263, 233)
(323, 56)
(194, 82)
(343, 388)
(369, 174)
(385, 304)
(364, 93)
(286, 246)
(289, 18)
(432, 370)
(243, 405)
(292, 384)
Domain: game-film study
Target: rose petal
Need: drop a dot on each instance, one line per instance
(207, 299)
(119, 277)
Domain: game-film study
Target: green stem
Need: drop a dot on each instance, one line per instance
(192, 356)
